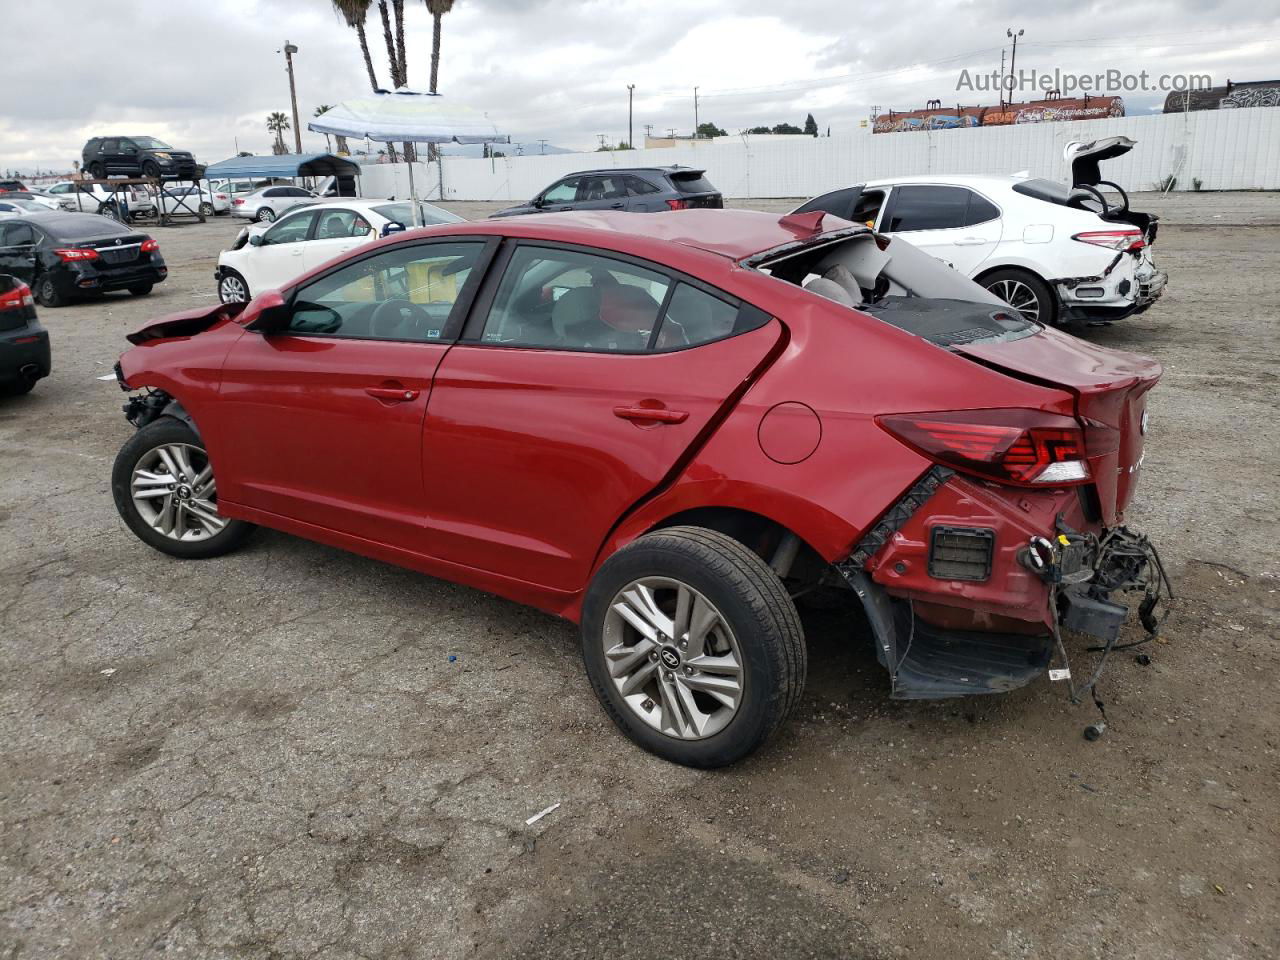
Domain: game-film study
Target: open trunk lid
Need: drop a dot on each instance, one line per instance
(1086, 158)
(1110, 387)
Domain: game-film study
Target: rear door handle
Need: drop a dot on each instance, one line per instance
(391, 393)
(969, 241)
(651, 414)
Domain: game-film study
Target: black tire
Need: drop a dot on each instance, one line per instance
(1009, 279)
(167, 430)
(206, 209)
(756, 607)
(227, 287)
(265, 215)
(47, 294)
(17, 388)
(97, 171)
(151, 169)
(141, 289)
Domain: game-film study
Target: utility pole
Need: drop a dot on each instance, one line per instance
(647, 128)
(602, 138)
(289, 51)
(1002, 79)
(1013, 59)
(542, 145)
(671, 132)
(631, 133)
(695, 113)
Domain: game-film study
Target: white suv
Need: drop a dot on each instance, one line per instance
(1058, 254)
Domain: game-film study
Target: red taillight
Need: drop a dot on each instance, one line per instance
(220, 196)
(71, 254)
(238, 201)
(149, 246)
(17, 298)
(1021, 447)
(678, 204)
(1126, 240)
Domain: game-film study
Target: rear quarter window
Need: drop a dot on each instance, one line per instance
(692, 182)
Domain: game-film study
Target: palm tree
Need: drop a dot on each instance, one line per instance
(342, 141)
(278, 123)
(354, 13)
(437, 8)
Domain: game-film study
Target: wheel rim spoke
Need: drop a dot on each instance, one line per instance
(174, 492)
(673, 658)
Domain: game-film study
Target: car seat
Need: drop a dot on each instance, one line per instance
(331, 227)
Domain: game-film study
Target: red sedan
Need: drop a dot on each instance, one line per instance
(665, 428)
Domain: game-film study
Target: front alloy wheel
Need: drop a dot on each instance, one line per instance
(232, 288)
(166, 493)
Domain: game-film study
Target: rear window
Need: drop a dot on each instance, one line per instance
(691, 181)
(403, 213)
(81, 226)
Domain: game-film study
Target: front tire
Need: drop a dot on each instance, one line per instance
(1025, 292)
(693, 646)
(165, 491)
(141, 289)
(233, 288)
(151, 170)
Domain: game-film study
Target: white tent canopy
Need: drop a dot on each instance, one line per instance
(406, 116)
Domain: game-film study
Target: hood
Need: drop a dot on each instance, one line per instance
(186, 323)
(1086, 158)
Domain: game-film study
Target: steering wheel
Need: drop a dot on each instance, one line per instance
(390, 317)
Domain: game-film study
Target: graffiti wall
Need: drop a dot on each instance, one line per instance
(1034, 111)
(1259, 93)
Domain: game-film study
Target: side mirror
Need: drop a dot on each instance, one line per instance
(537, 202)
(266, 313)
(255, 239)
(395, 226)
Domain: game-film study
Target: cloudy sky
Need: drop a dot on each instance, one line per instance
(205, 75)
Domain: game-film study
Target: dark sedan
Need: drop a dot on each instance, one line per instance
(636, 190)
(24, 344)
(66, 255)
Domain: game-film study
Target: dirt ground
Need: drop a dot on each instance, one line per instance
(294, 752)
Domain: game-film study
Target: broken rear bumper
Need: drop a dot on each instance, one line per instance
(966, 587)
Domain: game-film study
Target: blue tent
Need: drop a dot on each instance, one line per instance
(282, 165)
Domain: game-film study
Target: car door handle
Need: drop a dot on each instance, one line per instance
(391, 393)
(651, 414)
(969, 241)
(616, 206)
(298, 252)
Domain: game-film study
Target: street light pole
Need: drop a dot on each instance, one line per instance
(631, 133)
(695, 113)
(1013, 60)
(289, 51)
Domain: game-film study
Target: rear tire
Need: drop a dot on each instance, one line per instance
(206, 209)
(180, 517)
(1025, 292)
(141, 289)
(17, 388)
(752, 655)
(47, 294)
(265, 215)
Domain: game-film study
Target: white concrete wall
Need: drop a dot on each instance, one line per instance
(1226, 149)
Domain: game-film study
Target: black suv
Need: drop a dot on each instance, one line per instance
(639, 190)
(137, 157)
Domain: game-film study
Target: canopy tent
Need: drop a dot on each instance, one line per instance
(282, 165)
(406, 116)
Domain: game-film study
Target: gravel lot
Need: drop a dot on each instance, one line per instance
(275, 754)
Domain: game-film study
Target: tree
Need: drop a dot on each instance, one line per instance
(811, 126)
(437, 9)
(278, 123)
(342, 141)
(759, 130)
(709, 129)
(786, 128)
(354, 13)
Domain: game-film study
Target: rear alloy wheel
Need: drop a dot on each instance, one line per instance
(165, 491)
(109, 211)
(693, 646)
(47, 294)
(1025, 292)
(206, 209)
(266, 215)
(232, 288)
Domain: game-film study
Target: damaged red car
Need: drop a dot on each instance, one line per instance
(666, 429)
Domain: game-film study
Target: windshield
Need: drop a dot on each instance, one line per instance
(151, 143)
(402, 212)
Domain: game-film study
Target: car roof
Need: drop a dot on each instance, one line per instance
(608, 170)
(77, 226)
(734, 234)
(1005, 182)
